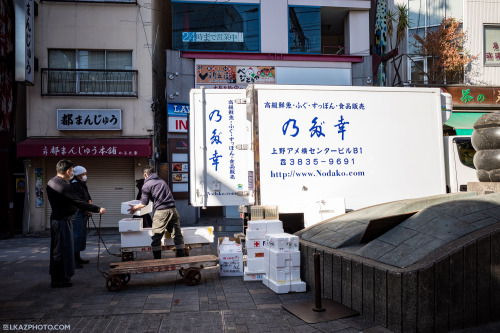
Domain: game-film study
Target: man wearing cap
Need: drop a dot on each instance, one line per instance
(64, 203)
(165, 216)
(79, 184)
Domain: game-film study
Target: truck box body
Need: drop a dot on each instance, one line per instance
(293, 146)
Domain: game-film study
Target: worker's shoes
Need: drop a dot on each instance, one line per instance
(61, 284)
(182, 253)
(79, 261)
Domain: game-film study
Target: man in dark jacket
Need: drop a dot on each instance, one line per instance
(79, 184)
(165, 215)
(64, 205)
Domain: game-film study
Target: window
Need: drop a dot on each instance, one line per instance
(466, 151)
(491, 45)
(90, 72)
(318, 30)
(304, 29)
(215, 27)
(426, 15)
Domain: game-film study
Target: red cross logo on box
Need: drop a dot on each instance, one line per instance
(256, 244)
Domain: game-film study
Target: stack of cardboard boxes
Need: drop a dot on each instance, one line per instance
(254, 242)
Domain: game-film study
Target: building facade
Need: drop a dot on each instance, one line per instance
(477, 90)
(90, 102)
(230, 44)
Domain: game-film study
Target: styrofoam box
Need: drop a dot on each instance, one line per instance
(198, 239)
(255, 243)
(274, 227)
(198, 231)
(251, 276)
(137, 238)
(143, 211)
(223, 241)
(256, 253)
(231, 260)
(282, 259)
(257, 225)
(282, 242)
(256, 265)
(130, 224)
(281, 274)
(255, 234)
(288, 287)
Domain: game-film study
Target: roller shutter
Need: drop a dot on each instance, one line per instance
(110, 182)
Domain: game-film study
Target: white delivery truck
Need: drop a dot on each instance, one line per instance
(298, 147)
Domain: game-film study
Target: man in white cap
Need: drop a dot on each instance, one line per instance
(79, 184)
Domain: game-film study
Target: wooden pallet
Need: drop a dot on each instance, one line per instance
(189, 268)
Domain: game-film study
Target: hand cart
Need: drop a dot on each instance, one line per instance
(128, 252)
(189, 268)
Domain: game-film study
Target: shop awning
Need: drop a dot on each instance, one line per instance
(85, 148)
(463, 122)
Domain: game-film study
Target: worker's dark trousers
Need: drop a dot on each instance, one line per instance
(166, 219)
(62, 257)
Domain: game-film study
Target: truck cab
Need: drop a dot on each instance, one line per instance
(460, 170)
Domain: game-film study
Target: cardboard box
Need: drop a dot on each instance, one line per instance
(251, 276)
(257, 225)
(282, 242)
(284, 288)
(137, 238)
(207, 232)
(256, 266)
(143, 211)
(230, 257)
(282, 259)
(130, 224)
(283, 274)
(255, 243)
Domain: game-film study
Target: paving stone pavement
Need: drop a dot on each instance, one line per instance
(156, 302)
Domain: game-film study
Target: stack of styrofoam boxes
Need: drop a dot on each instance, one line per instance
(230, 256)
(254, 242)
(283, 264)
(132, 232)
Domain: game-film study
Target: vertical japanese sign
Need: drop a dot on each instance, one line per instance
(24, 13)
(39, 187)
(227, 156)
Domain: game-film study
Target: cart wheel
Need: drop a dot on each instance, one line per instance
(127, 256)
(181, 272)
(114, 283)
(125, 278)
(192, 276)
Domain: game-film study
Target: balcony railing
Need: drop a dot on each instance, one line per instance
(89, 82)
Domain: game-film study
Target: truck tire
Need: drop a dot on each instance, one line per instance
(486, 138)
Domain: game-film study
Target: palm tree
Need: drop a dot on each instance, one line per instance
(399, 16)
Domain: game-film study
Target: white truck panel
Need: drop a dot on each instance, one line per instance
(368, 145)
(220, 154)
